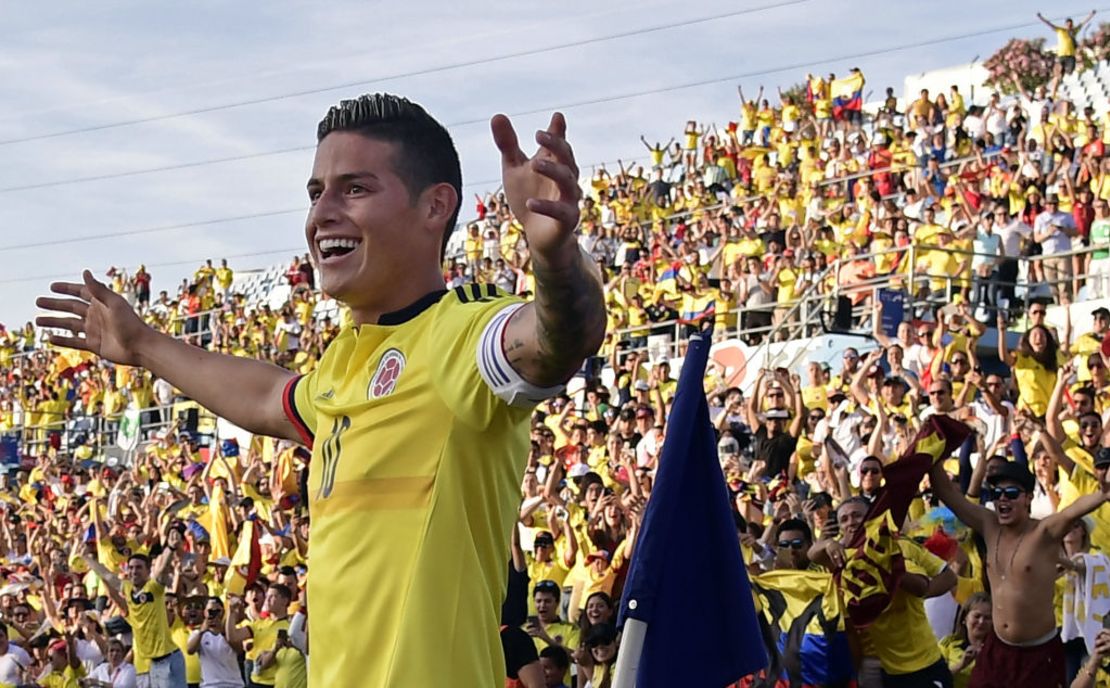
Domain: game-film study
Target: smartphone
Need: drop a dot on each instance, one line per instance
(533, 620)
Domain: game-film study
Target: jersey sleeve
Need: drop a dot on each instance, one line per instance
(921, 560)
(472, 372)
(296, 402)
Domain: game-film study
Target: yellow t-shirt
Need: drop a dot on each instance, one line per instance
(1035, 384)
(1065, 43)
(180, 633)
(264, 633)
(953, 650)
(414, 483)
(146, 612)
(901, 636)
(66, 678)
(291, 671)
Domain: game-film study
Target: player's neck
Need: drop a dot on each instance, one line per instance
(403, 296)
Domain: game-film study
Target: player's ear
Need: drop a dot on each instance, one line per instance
(438, 204)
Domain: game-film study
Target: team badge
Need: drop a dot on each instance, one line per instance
(385, 377)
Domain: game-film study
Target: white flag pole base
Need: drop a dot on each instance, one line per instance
(628, 657)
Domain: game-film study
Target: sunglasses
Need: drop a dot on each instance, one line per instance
(1036, 312)
(870, 470)
(937, 392)
(796, 543)
(544, 543)
(1010, 493)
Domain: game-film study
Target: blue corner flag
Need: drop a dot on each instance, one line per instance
(687, 581)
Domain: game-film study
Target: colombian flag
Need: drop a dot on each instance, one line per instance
(847, 94)
(697, 307)
(247, 562)
(807, 643)
(875, 566)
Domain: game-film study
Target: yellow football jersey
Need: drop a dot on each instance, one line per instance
(413, 489)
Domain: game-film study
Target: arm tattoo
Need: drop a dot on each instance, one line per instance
(570, 320)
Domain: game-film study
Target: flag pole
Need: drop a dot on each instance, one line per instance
(628, 657)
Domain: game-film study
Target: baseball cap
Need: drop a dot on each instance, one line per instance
(1014, 472)
(578, 470)
(641, 386)
(1101, 312)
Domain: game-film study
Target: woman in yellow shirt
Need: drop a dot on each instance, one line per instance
(1035, 364)
(962, 647)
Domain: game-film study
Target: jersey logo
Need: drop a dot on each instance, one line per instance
(385, 377)
(326, 396)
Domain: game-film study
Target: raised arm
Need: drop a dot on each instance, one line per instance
(106, 325)
(1004, 353)
(1056, 406)
(1046, 22)
(547, 340)
(975, 516)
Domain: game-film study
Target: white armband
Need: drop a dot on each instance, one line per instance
(494, 366)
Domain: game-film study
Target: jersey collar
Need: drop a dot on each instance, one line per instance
(402, 316)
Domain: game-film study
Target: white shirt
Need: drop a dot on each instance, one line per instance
(219, 667)
(12, 664)
(989, 244)
(1011, 236)
(1058, 241)
(997, 425)
(121, 677)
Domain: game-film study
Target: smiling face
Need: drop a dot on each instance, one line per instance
(850, 517)
(1011, 511)
(978, 622)
(366, 232)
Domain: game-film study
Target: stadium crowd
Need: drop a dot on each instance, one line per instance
(953, 203)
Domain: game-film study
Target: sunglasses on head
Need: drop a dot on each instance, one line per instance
(1010, 493)
(796, 543)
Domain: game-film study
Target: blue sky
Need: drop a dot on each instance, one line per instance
(74, 65)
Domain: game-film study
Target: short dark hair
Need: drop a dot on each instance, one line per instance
(549, 587)
(283, 590)
(140, 557)
(426, 154)
(557, 655)
(798, 525)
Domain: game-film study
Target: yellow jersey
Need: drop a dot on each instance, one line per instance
(146, 611)
(414, 484)
(901, 637)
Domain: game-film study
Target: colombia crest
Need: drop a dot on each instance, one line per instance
(384, 379)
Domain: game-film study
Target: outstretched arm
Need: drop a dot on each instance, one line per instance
(547, 340)
(1046, 22)
(106, 325)
(975, 516)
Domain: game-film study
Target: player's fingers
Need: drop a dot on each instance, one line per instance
(558, 147)
(96, 289)
(73, 325)
(73, 306)
(70, 342)
(70, 289)
(505, 137)
(563, 176)
(558, 125)
(566, 213)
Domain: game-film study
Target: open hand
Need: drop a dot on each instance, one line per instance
(542, 190)
(104, 324)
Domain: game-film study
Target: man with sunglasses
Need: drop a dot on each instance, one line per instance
(1022, 552)
(793, 539)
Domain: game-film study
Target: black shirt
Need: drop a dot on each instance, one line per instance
(775, 451)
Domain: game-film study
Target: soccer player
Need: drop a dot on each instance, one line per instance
(417, 415)
(1022, 553)
(143, 595)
